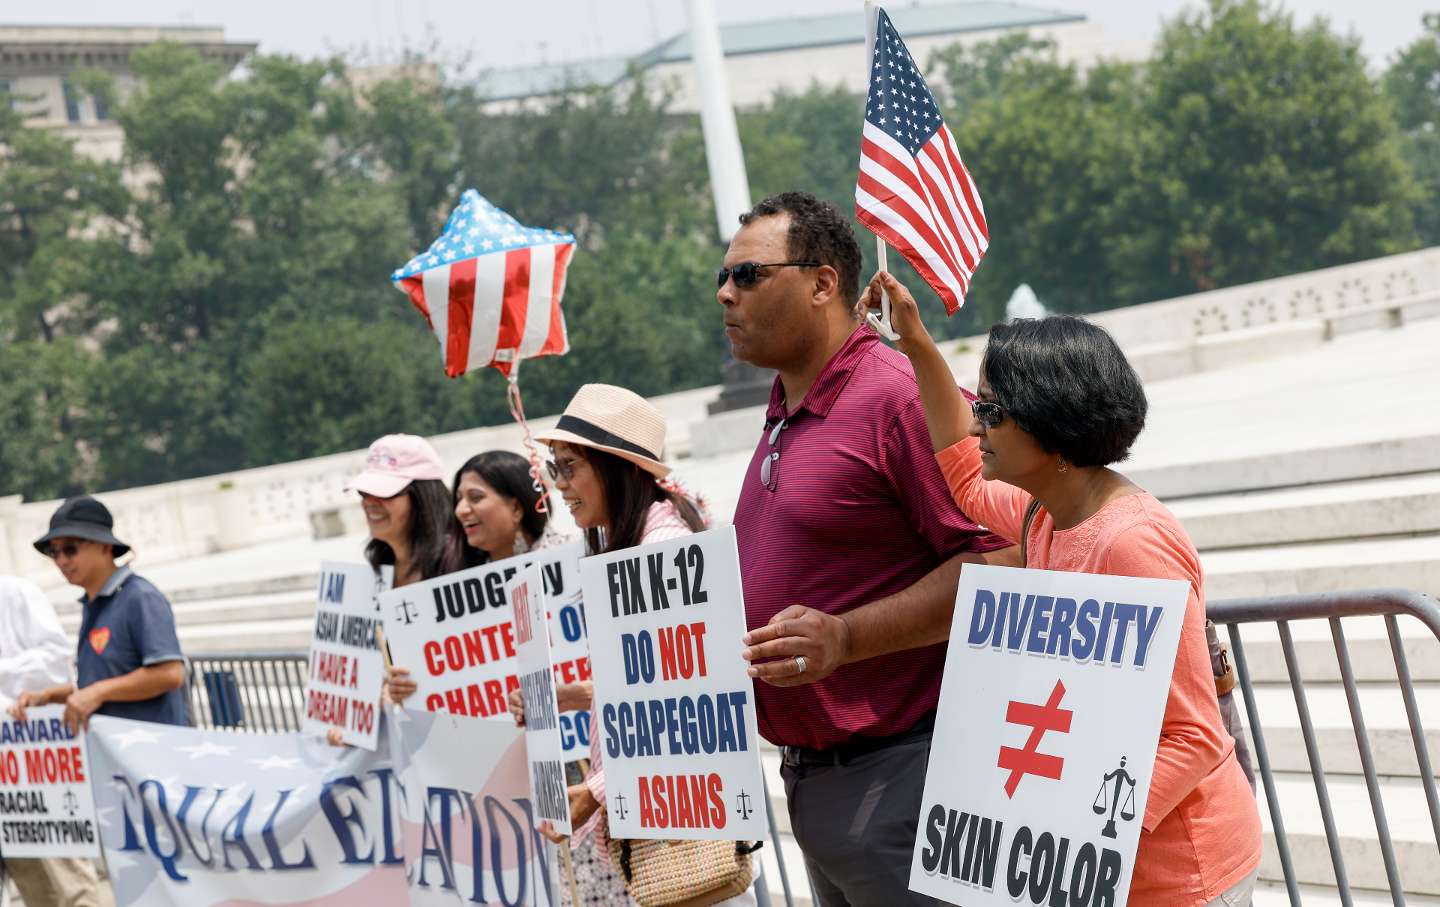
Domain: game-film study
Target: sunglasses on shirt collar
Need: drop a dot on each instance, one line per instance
(747, 273)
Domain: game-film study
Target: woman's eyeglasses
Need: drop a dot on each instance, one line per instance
(989, 414)
(560, 469)
(748, 272)
(770, 466)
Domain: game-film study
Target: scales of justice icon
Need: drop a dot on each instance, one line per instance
(1116, 782)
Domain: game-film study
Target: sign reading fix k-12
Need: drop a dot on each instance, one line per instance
(1050, 711)
(673, 704)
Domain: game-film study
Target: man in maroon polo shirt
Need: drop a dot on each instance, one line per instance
(850, 551)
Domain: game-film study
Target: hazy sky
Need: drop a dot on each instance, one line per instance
(498, 34)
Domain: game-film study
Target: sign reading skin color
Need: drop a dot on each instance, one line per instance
(455, 635)
(46, 808)
(673, 701)
(1055, 687)
(346, 668)
(537, 684)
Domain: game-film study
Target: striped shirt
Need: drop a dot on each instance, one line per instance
(855, 510)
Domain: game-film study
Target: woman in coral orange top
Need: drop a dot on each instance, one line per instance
(1058, 404)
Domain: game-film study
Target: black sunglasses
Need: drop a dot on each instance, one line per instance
(69, 549)
(748, 272)
(989, 414)
(770, 466)
(558, 469)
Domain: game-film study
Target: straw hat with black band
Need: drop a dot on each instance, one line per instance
(615, 420)
(82, 518)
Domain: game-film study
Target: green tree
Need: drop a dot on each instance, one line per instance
(1413, 86)
(1264, 149)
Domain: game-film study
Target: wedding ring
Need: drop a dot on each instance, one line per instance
(799, 664)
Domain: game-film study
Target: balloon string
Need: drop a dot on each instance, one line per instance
(537, 472)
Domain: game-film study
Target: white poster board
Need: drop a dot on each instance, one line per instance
(455, 635)
(543, 749)
(1055, 687)
(46, 808)
(346, 671)
(673, 702)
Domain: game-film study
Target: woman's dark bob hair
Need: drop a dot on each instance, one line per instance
(509, 474)
(1064, 381)
(629, 493)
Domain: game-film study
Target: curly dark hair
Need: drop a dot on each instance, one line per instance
(1066, 382)
(818, 232)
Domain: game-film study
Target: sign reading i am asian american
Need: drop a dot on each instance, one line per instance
(46, 808)
(346, 667)
(1050, 709)
(672, 698)
(455, 635)
(543, 748)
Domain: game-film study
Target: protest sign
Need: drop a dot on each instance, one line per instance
(537, 684)
(193, 818)
(346, 668)
(46, 809)
(672, 696)
(455, 635)
(1055, 686)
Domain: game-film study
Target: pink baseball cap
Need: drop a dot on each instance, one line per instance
(393, 463)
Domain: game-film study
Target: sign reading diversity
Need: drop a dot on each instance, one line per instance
(46, 808)
(676, 715)
(455, 635)
(1050, 709)
(346, 667)
(537, 685)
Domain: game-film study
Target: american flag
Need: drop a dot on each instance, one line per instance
(490, 288)
(913, 191)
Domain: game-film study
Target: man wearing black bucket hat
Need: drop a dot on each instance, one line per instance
(127, 657)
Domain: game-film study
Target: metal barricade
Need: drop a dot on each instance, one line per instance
(255, 693)
(1332, 607)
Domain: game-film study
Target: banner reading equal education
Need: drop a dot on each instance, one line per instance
(1055, 686)
(46, 809)
(677, 718)
(455, 635)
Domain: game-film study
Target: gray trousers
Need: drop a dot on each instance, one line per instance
(856, 824)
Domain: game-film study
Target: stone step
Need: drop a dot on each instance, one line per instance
(227, 610)
(1411, 563)
(1386, 724)
(1410, 830)
(1316, 513)
(1274, 894)
(282, 635)
(1365, 638)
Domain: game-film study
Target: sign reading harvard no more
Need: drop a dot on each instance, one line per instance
(1055, 686)
(46, 807)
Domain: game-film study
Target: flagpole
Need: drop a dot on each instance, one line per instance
(880, 323)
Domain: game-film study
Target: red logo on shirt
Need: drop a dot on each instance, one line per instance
(99, 639)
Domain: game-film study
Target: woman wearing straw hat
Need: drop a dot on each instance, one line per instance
(606, 449)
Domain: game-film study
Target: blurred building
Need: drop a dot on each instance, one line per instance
(38, 64)
(793, 53)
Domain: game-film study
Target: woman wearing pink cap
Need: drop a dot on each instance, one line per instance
(407, 508)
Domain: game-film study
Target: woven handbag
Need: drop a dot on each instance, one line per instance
(683, 873)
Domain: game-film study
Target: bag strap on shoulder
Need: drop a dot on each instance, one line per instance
(1025, 531)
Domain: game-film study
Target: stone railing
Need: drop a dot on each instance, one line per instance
(237, 510)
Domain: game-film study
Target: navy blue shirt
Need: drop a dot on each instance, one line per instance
(129, 625)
